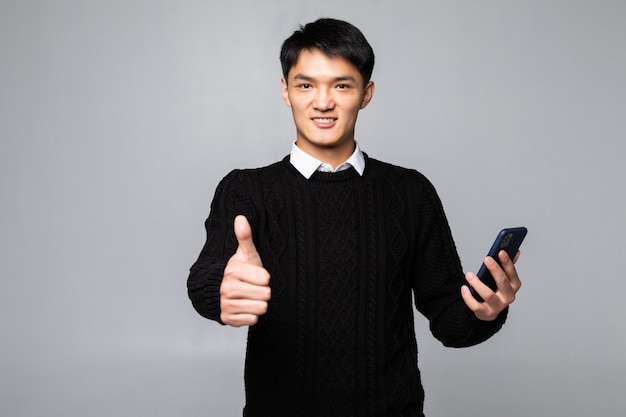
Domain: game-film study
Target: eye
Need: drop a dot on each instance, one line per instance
(304, 86)
(342, 86)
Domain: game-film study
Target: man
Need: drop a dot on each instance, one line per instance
(322, 253)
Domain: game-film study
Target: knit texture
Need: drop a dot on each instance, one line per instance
(348, 258)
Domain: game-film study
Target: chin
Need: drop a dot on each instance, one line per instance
(329, 142)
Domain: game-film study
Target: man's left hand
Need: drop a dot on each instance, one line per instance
(507, 281)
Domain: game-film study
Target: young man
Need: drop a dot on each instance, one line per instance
(323, 253)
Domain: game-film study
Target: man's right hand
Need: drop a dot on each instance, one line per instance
(245, 288)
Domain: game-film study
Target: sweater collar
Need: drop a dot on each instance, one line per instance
(307, 165)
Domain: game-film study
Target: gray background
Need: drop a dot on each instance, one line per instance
(119, 117)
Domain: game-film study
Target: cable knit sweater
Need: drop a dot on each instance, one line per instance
(347, 255)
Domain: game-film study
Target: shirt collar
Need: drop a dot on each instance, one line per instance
(307, 164)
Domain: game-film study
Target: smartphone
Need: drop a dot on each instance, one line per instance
(510, 240)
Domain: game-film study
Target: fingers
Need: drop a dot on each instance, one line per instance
(468, 297)
(507, 281)
(510, 275)
(245, 289)
(492, 304)
(244, 293)
(239, 270)
(243, 312)
(252, 287)
(239, 320)
(505, 277)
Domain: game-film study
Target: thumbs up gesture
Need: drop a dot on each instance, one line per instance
(245, 289)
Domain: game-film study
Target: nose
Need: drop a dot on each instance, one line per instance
(323, 100)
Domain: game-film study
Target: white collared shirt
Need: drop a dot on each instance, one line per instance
(307, 164)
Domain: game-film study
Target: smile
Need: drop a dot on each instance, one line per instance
(323, 120)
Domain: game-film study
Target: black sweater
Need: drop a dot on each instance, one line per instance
(345, 253)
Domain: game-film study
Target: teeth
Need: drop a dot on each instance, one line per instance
(323, 120)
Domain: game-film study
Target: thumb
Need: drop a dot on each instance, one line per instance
(243, 233)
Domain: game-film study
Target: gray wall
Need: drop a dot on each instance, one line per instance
(119, 117)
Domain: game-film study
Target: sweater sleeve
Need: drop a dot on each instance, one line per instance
(232, 197)
(439, 277)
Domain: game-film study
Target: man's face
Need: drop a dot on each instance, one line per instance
(325, 95)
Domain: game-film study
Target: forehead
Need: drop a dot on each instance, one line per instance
(314, 63)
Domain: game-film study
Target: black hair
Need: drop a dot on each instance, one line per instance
(334, 38)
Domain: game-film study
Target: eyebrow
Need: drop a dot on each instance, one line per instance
(303, 77)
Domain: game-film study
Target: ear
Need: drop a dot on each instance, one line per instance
(368, 93)
(285, 92)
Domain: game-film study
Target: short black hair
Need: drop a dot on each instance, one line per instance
(334, 38)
